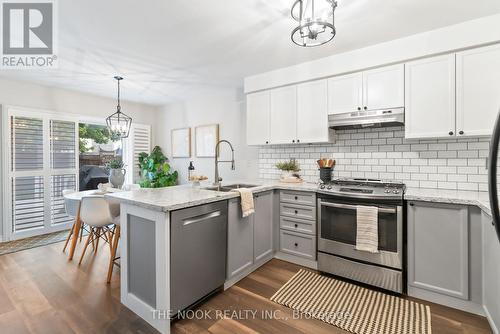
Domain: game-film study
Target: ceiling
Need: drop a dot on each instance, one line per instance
(169, 50)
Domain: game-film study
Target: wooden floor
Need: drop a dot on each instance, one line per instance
(41, 292)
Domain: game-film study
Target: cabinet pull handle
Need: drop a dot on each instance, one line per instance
(296, 225)
(461, 133)
(298, 140)
(296, 212)
(267, 142)
(412, 204)
(366, 108)
(450, 133)
(296, 197)
(296, 245)
(359, 108)
(293, 141)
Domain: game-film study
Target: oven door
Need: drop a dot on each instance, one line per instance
(337, 233)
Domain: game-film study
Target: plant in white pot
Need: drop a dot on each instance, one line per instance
(116, 173)
(289, 169)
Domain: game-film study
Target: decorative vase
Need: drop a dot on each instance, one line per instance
(286, 174)
(117, 177)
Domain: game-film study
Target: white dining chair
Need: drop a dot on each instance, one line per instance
(96, 213)
(71, 211)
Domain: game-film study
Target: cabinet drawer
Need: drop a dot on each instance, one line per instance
(298, 244)
(298, 197)
(298, 211)
(298, 225)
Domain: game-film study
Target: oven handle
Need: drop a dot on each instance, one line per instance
(353, 207)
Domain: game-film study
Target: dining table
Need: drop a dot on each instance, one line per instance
(73, 202)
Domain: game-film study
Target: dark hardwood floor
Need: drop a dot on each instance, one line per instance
(41, 292)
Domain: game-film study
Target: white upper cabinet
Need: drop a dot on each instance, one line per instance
(284, 115)
(478, 90)
(258, 118)
(312, 112)
(430, 97)
(345, 93)
(383, 88)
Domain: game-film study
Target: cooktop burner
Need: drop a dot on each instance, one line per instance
(364, 188)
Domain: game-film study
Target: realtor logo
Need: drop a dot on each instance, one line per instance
(28, 34)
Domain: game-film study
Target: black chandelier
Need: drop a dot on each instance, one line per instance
(119, 123)
(316, 22)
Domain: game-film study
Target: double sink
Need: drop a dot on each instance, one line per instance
(231, 187)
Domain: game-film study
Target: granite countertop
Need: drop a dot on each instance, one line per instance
(477, 198)
(183, 196)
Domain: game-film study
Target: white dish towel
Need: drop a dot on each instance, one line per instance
(367, 228)
(247, 205)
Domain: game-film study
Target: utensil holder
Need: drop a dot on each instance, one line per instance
(325, 174)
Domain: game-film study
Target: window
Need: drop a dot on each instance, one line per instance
(42, 163)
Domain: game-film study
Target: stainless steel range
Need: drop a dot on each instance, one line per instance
(338, 202)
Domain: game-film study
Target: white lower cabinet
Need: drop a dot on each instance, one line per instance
(250, 239)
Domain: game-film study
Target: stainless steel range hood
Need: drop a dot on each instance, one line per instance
(366, 119)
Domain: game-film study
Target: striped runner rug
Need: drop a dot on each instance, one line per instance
(351, 307)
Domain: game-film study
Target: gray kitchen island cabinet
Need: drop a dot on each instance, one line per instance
(438, 248)
(249, 239)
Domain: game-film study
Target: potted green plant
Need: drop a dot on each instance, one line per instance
(289, 168)
(155, 170)
(116, 173)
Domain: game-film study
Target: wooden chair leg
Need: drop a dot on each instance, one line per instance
(116, 239)
(69, 237)
(81, 234)
(110, 240)
(97, 237)
(90, 236)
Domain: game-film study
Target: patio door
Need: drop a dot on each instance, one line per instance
(42, 161)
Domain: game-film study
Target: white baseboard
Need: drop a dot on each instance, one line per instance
(490, 320)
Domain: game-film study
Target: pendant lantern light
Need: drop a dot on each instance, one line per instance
(316, 22)
(119, 123)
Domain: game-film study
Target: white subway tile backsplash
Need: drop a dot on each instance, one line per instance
(384, 153)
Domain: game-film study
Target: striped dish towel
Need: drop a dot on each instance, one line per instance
(367, 228)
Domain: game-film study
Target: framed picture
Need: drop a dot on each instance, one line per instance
(206, 137)
(181, 143)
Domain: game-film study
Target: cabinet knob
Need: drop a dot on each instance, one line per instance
(296, 244)
(450, 133)
(296, 212)
(412, 204)
(298, 140)
(293, 141)
(296, 197)
(366, 108)
(267, 142)
(296, 225)
(359, 108)
(461, 133)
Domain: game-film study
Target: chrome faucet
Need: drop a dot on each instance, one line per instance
(217, 178)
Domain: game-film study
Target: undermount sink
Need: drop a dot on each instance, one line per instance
(230, 187)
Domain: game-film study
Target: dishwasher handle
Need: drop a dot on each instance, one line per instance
(201, 218)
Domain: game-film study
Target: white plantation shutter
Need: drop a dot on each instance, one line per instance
(28, 207)
(43, 161)
(138, 141)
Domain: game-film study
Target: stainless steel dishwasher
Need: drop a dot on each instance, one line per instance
(198, 246)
